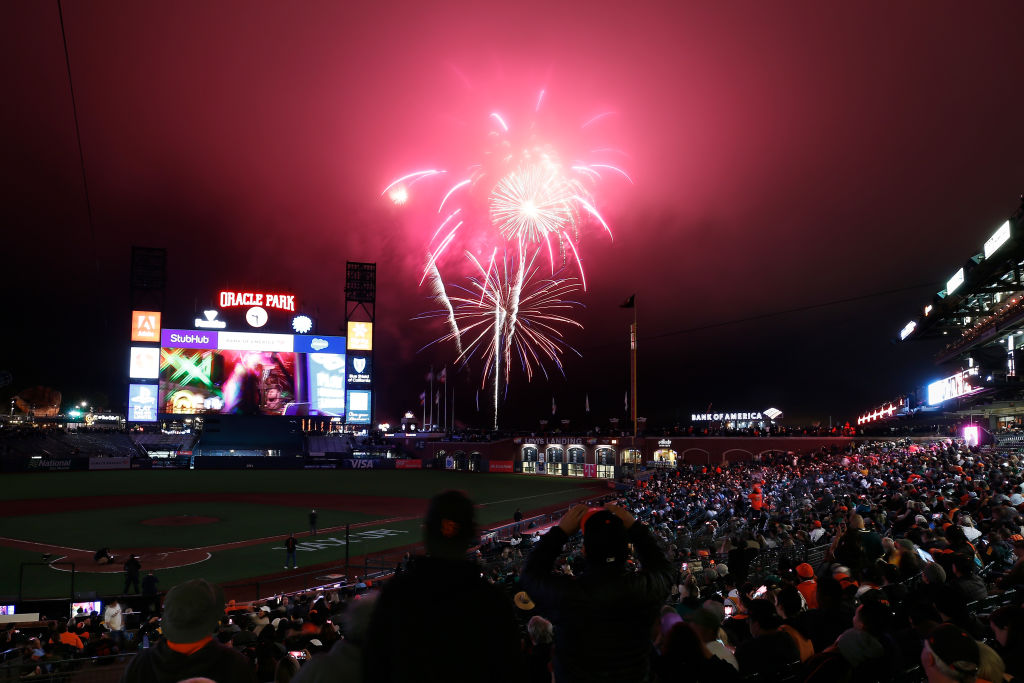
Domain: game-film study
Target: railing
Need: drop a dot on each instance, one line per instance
(107, 669)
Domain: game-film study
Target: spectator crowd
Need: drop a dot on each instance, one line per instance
(890, 561)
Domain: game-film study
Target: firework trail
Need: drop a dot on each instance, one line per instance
(499, 216)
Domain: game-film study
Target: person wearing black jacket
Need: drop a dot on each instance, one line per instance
(441, 620)
(192, 611)
(603, 617)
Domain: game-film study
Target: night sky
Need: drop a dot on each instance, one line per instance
(784, 155)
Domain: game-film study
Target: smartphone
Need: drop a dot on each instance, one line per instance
(760, 591)
(298, 654)
(729, 610)
(686, 566)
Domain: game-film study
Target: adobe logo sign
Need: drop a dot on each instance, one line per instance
(146, 326)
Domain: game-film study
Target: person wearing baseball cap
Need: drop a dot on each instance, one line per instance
(603, 616)
(192, 611)
(808, 587)
(950, 655)
(441, 620)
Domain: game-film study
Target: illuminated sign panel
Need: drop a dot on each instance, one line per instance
(884, 412)
(954, 282)
(188, 339)
(146, 326)
(142, 403)
(144, 363)
(359, 407)
(254, 341)
(311, 343)
(958, 385)
(326, 383)
(997, 239)
(727, 417)
(359, 370)
(360, 336)
(210, 321)
(282, 302)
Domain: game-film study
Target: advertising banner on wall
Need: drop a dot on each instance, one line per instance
(144, 362)
(359, 407)
(589, 471)
(142, 402)
(110, 463)
(359, 370)
(408, 464)
(326, 383)
(499, 466)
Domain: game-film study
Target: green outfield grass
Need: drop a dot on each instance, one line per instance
(97, 523)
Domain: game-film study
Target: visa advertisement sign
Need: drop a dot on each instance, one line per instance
(326, 383)
(142, 403)
(358, 407)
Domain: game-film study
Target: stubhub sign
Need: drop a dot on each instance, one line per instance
(188, 339)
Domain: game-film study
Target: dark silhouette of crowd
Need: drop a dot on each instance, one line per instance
(891, 561)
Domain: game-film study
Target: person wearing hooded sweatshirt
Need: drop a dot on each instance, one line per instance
(192, 611)
(603, 617)
(441, 620)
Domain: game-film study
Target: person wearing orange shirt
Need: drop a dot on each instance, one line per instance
(808, 587)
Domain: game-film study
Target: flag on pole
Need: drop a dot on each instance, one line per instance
(444, 375)
(586, 404)
(629, 303)
(423, 398)
(437, 397)
(430, 375)
(553, 407)
(478, 400)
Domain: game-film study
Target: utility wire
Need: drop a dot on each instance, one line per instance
(78, 135)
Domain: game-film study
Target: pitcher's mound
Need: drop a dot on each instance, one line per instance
(180, 520)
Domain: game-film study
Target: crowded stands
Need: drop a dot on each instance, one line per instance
(889, 561)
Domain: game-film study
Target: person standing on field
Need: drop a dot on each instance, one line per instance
(312, 522)
(289, 549)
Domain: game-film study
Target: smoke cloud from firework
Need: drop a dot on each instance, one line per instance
(496, 217)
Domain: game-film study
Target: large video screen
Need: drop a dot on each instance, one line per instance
(251, 374)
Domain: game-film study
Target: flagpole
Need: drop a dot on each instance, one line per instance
(431, 398)
(445, 383)
(632, 342)
(424, 403)
(453, 409)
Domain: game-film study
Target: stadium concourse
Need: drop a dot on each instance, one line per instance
(886, 561)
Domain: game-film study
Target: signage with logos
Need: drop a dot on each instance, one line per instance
(146, 326)
(142, 402)
(664, 443)
(311, 343)
(409, 464)
(727, 417)
(282, 302)
(188, 339)
(499, 466)
(209, 321)
(358, 408)
(998, 239)
(960, 384)
(144, 362)
(326, 383)
(954, 282)
(882, 413)
(358, 369)
(251, 341)
(360, 336)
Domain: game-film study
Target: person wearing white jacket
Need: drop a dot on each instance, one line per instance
(113, 619)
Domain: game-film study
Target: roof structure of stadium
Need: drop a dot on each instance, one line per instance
(981, 314)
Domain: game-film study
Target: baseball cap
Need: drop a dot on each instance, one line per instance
(604, 538)
(523, 601)
(955, 648)
(805, 571)
(704, 618)
(451, 519)
(192, 611)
